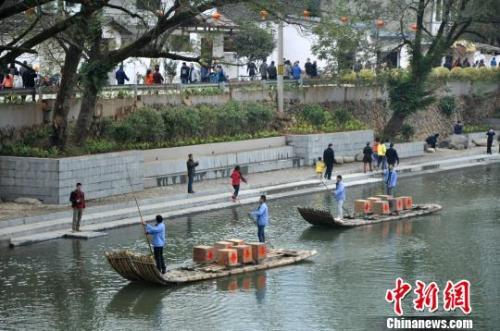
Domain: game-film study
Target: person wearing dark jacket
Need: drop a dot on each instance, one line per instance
(392, 156)
(77, 199)
(458, 128)
(432, 140)
(184, 73)
(157, 76)
(271, 71)
(489, 140)
(329, 159)
(29, 77)
(191, 167)
(309, 68)
(121, 76)
(367, 157)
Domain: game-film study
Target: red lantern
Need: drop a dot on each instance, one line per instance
(344, 19)
(216, 15)
(306, 13)
(413, 27)
(379, 23)
(263, 14)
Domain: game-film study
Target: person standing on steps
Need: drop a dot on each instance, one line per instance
(191, 169)
(158, 233)
(329, 159)
(236, 178)
(489, 140)
(77, 198)
(367, 157)
(320, 167)
(340, 196)
(261, 217)
(392, 156)
(390, 180)
(381, 159)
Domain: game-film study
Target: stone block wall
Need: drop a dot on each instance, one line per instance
(310, 147)
(52, 180)
(412, 149)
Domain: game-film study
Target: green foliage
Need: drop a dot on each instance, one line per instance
(447, 105)
(407, 95)
(94, 75)
(314, 118)
(140, 126)
(475, 128)
(407, 132)
(336, 43)
(202, 91)
(313, 114)
(253, 42)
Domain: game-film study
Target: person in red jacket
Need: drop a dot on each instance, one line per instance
(236, 178)
(77, 199)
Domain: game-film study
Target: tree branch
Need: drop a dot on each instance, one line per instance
(128, 12)
(156, 53)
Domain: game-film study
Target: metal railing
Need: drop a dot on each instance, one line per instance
(21, 95)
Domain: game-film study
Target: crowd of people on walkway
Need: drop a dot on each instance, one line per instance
(189, 74)
(451, 63)
(25, 76)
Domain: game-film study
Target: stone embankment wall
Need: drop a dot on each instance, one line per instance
(52, 180)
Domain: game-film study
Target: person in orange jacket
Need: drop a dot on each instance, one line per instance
(236, 178)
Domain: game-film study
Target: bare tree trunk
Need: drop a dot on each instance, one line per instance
(94, 74)
(61, 107)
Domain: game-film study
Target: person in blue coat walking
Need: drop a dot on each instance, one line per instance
(158, 233)
(261, 217)
(390, 180)
(340, 196)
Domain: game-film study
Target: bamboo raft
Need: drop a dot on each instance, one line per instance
(319, 217)
(142, 268)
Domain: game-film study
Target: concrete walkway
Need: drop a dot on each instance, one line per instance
(172, 201)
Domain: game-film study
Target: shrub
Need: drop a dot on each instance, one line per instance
(440, 73)
(313, 114)
(140, 126)
(258, 116)
(407, 132)
(348, 77)
(342, 115)
(230, 120)
(456, 74)
(447, 105)
(367, 75)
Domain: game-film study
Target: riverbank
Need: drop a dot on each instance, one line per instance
(44, 223)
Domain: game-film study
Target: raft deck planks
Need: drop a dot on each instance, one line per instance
(325, 218)
(134, 267)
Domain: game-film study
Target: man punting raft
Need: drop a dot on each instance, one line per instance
(224, 258)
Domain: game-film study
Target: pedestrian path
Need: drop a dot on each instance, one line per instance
(28, 230)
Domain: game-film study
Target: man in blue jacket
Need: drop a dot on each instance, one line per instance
(261, 217)
(340, 196)
(158, 233)
(390, 179)
(121, 76)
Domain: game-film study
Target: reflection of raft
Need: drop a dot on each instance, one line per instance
(320, 217)
(142, 268)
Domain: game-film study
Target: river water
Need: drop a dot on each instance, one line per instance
(67, 284)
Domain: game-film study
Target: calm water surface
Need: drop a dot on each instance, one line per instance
(67, 284)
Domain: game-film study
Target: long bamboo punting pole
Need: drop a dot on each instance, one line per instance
(138, 209)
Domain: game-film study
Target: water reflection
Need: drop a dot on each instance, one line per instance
(245, 283)
(136, 299)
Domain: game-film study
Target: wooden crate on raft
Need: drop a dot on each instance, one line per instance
(227, 257)
(381, 208)
(407, 202)
(259, 251)
(244, 254)
(362, 207)
(203, 254)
